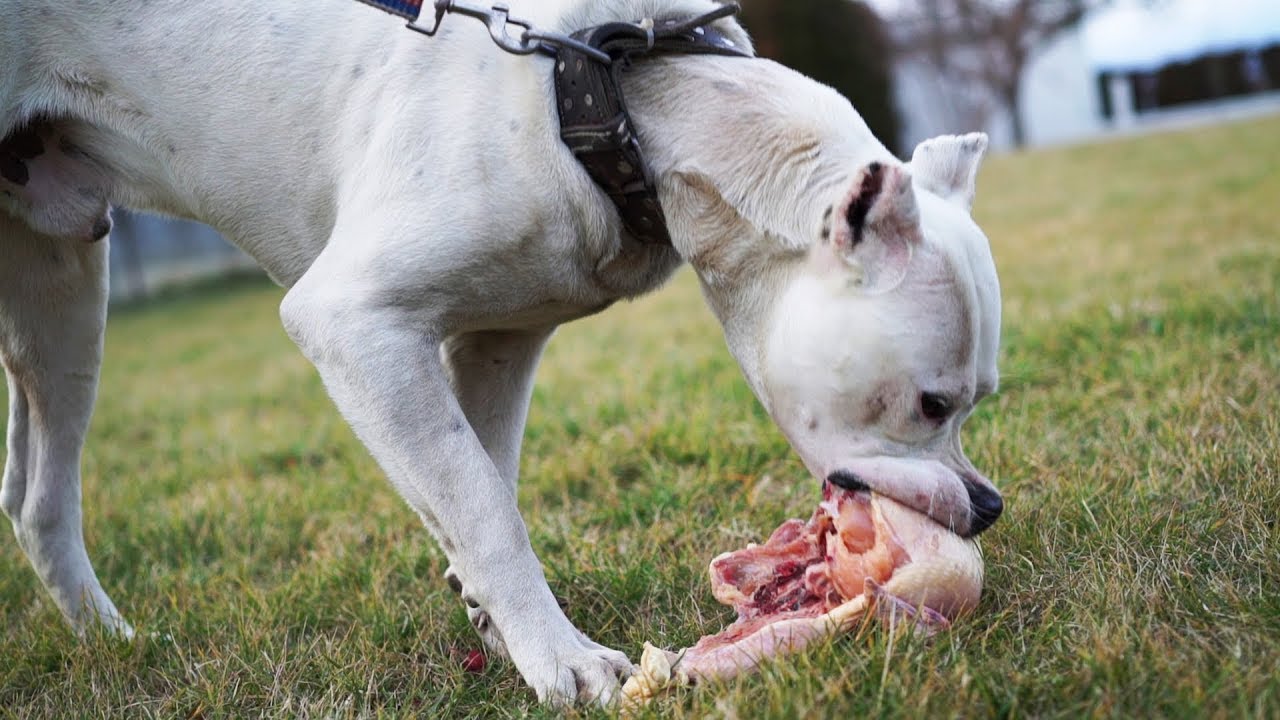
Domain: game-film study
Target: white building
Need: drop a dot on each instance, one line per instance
(1083, 83)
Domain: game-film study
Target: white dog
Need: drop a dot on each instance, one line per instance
(414, 196)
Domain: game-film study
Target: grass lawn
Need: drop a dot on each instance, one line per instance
(1136, 571)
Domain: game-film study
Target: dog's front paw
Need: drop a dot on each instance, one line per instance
(561, 664)
(570, 668)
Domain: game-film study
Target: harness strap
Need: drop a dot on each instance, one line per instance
(595, 124)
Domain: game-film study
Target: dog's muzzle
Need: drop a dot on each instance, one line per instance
(985, 503)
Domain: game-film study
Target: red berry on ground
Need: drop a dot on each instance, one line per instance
(474, 662)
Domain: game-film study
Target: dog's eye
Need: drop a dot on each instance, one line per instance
(935, 407)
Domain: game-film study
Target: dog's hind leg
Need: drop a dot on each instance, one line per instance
(53, 298)
(491, 374)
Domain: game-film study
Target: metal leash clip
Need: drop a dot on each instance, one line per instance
(497, 18)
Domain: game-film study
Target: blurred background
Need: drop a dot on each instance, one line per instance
(1027, 72)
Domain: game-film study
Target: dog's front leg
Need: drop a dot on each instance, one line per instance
(491, 375)
(380, 363)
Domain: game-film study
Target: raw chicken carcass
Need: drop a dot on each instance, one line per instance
(858, 553)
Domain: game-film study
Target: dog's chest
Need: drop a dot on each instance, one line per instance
(549, 282)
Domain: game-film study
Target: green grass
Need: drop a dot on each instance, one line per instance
(1136, 571)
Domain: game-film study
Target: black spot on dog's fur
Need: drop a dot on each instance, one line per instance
(23, 144)
(101, 227)
(13, 169)
(826, 223)
(16, 148)
(867, 194)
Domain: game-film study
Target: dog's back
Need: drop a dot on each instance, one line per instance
(231, 110)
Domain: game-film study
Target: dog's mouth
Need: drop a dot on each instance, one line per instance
(858, 552)
(962, 500)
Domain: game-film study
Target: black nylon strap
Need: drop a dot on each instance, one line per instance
(594, 122)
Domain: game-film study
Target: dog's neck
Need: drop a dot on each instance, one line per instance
(748, 157)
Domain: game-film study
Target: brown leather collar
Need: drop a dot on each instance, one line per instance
(594, 122)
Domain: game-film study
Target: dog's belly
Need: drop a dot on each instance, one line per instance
(555, 280)
(548, 314)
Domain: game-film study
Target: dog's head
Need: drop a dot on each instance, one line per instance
(884, 337)
(856, 292)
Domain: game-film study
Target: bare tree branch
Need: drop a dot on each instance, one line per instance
(989, 42)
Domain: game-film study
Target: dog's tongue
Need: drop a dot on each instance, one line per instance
(858, 552)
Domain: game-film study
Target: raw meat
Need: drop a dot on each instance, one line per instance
(809, 580)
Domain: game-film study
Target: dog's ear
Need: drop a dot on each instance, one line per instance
(875, 227)
(704, 227)
(947, 165)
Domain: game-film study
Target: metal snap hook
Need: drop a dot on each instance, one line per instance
(498, 20)
(442, 7)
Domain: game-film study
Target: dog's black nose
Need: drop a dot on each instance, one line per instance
(987, 506)
(847, 480)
